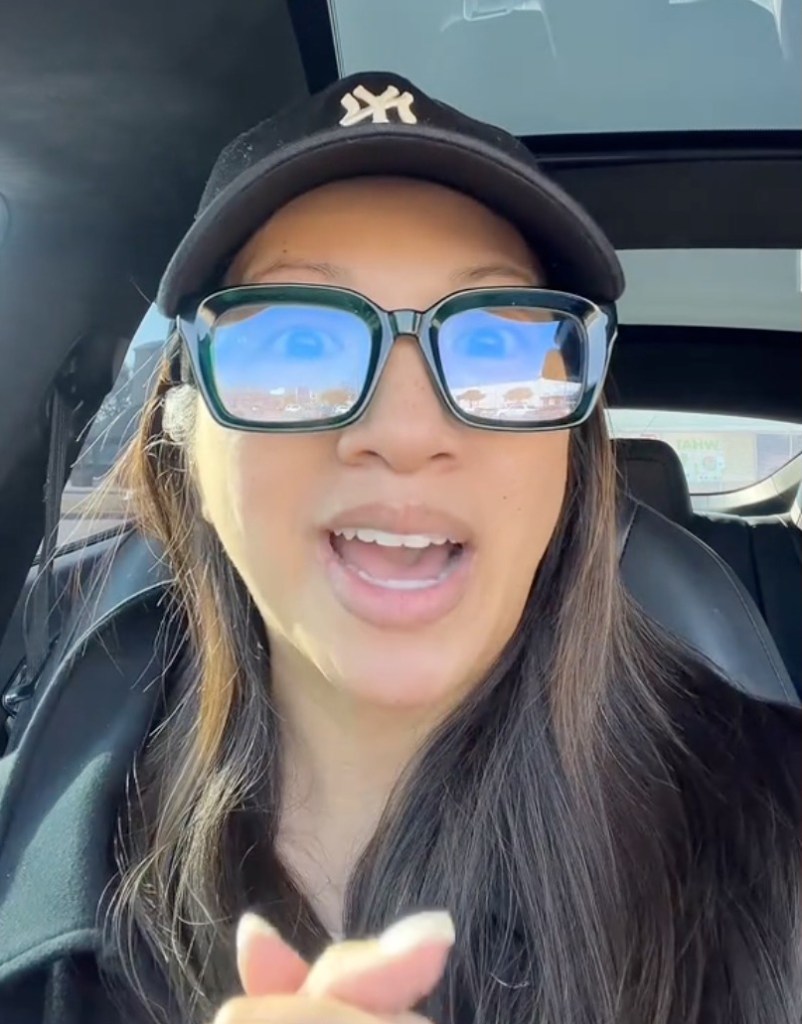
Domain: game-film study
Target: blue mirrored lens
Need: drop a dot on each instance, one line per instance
(513, 363)
(289, 363)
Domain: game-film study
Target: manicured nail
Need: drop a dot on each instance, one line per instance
(252, 926)
(417, 930)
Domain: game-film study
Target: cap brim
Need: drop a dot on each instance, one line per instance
(577, 254)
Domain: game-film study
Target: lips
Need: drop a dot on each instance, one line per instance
(397, 567)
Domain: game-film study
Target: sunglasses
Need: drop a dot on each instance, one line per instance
(301, 358)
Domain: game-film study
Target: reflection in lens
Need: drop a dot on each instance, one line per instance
(517, 363)
(289, 363)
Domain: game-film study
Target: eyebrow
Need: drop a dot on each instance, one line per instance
(470, 275)
(339, 274)
(331, 271)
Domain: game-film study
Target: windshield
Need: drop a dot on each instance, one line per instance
(548, 66)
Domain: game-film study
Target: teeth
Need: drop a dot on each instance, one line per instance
(391, 540)
(399, 584)
(408, 584)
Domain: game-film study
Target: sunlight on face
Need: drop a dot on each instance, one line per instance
(346, 612)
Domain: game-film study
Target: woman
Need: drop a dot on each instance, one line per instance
(412, 679)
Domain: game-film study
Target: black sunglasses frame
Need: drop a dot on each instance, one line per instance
(597, 326)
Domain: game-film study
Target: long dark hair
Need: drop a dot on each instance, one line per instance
(581, 814)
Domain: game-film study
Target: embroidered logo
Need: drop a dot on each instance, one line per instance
(363, 105)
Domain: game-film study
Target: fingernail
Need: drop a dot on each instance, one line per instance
(417, 930)
(252, 926)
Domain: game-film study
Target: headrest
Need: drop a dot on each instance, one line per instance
(683, 585)
(653, 475)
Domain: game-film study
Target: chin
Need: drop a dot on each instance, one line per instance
(398, 672)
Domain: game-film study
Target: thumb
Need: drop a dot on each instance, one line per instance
(266, 964)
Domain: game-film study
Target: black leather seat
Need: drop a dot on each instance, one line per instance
(777, 548)
(688, 589)
(765, 553)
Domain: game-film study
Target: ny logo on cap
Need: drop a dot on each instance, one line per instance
(363, 105)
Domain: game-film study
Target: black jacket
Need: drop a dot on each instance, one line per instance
(60, 787)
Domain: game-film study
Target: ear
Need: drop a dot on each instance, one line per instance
(178, 419)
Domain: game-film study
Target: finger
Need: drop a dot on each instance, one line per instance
(390, 974)
(267, 965)
(300, 1010)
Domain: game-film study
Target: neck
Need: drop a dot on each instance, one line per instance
(342, 755)
(341, 759)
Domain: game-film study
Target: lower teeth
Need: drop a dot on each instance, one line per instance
(407, 584)
(399, 584)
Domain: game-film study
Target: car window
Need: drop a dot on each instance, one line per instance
(719, 454)
(83, 512)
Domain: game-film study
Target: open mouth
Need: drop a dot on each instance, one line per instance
(396, 561)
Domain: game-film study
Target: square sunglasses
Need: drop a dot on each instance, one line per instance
(299, 358)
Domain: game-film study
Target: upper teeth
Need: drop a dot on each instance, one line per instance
(391, 540)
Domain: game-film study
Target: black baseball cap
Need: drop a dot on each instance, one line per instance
(379, 123)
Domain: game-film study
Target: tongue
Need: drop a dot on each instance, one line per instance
(383, 563)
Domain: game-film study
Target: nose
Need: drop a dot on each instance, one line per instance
(405, 426)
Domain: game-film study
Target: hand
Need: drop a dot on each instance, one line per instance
(351, 983)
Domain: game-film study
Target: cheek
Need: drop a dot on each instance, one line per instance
(524, 481)
(254, 489)
(530, 482)
(219, 461)
(546, 483)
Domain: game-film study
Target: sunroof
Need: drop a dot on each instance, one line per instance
(539, 67)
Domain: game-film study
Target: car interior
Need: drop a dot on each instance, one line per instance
(677, 124)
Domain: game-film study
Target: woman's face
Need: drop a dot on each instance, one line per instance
(401, 627)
